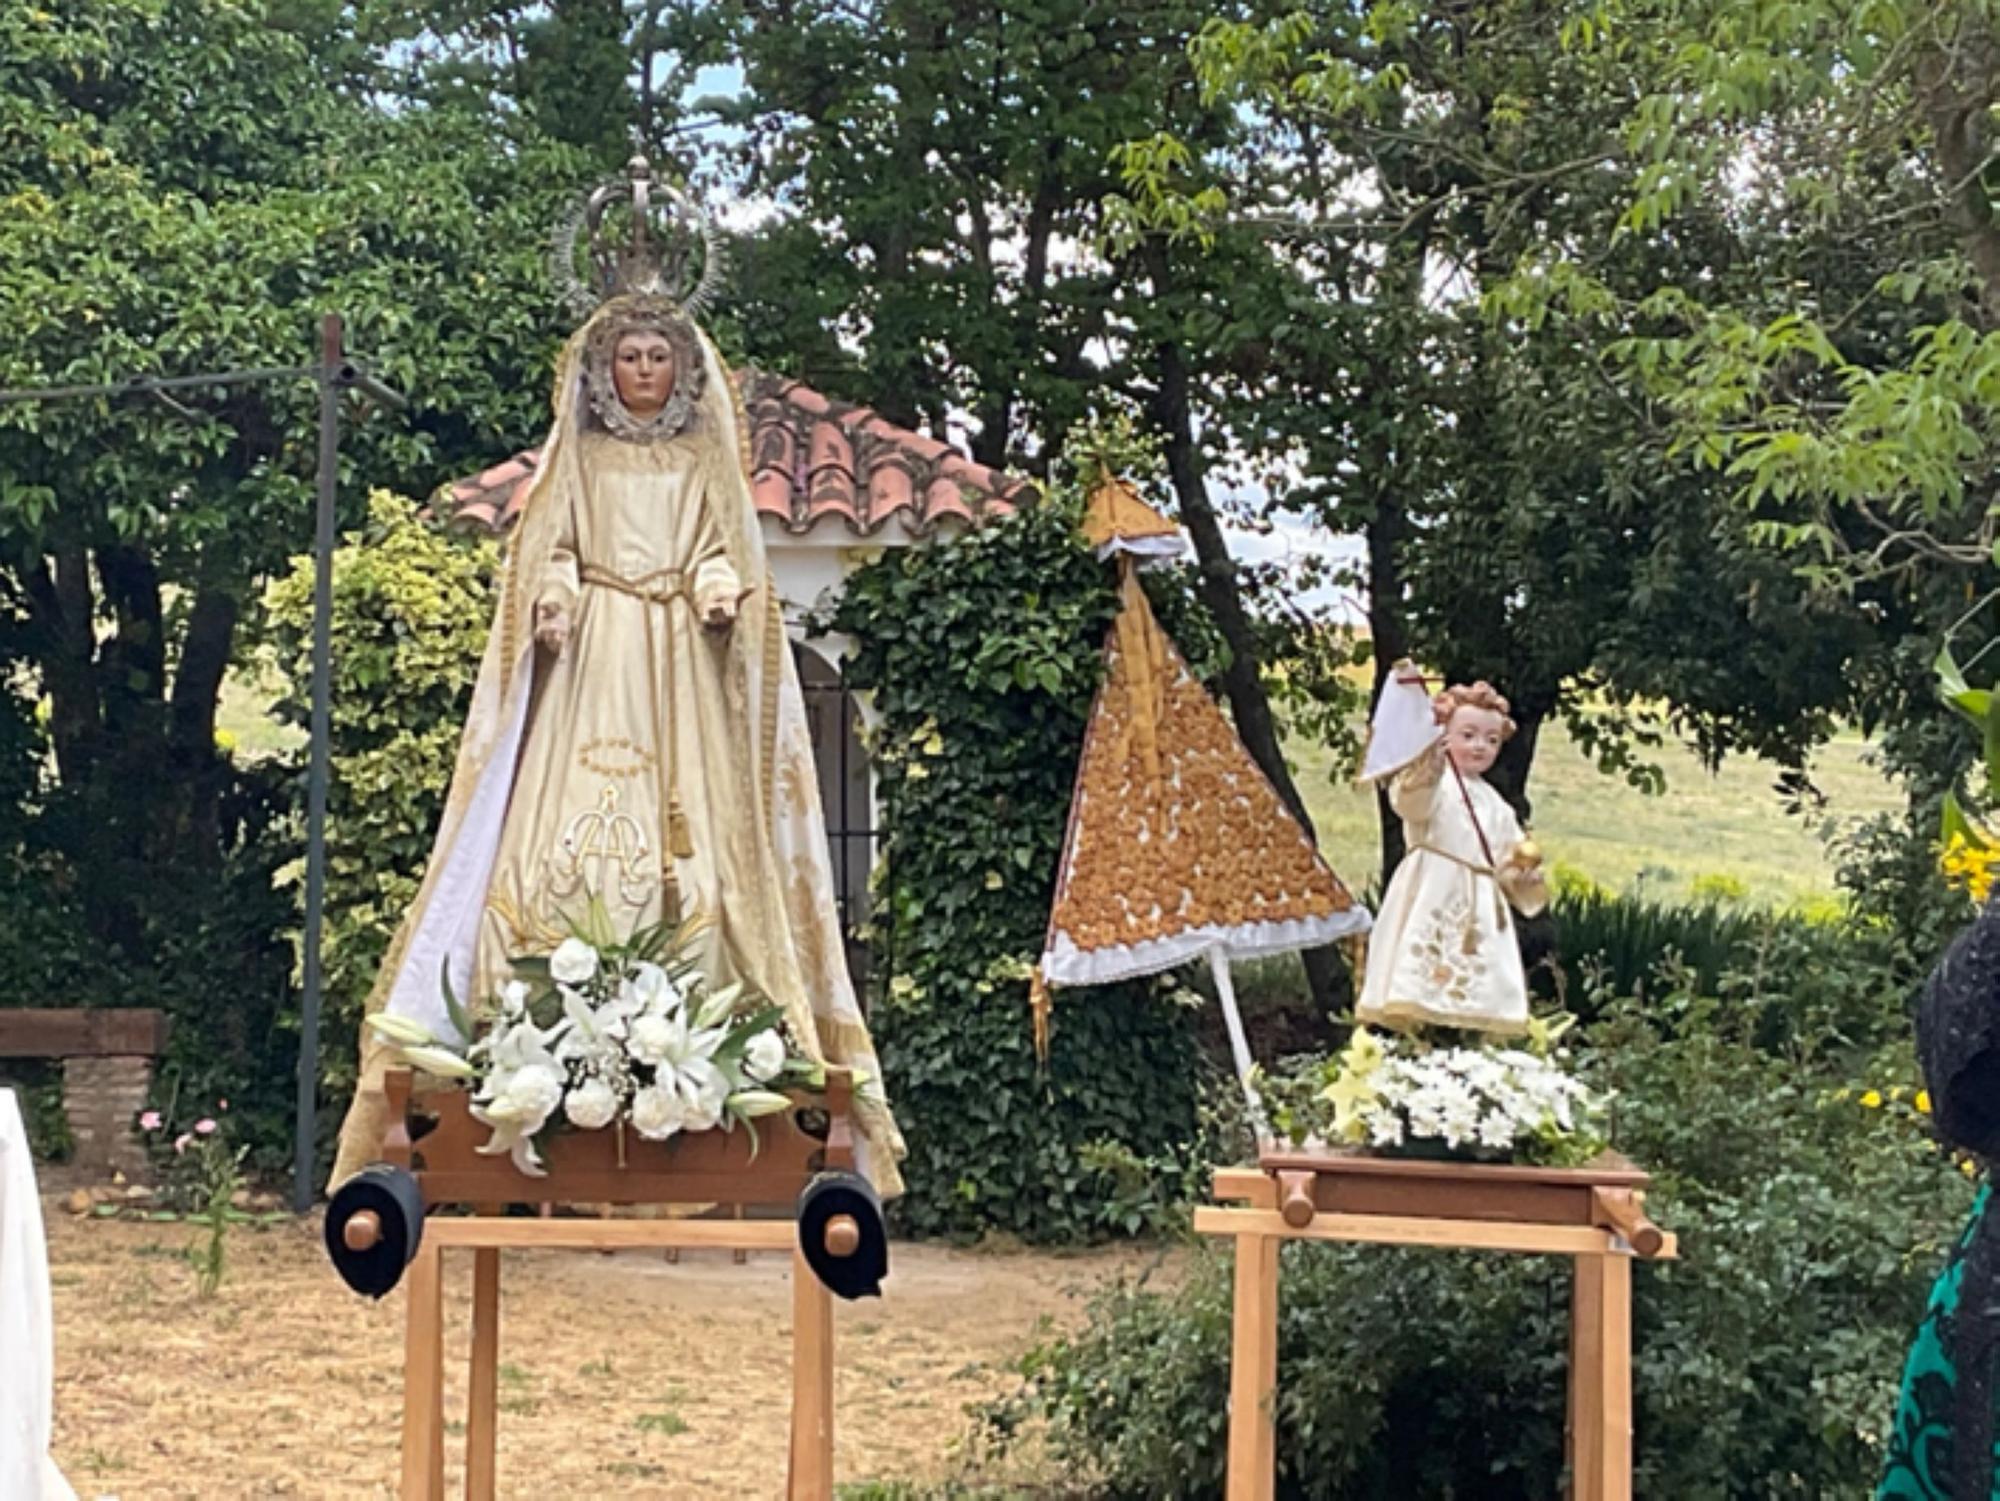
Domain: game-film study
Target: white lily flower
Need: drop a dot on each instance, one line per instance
(514, 997)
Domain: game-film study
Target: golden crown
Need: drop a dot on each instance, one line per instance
(666, 246)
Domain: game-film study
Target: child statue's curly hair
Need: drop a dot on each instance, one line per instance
(1479, 695)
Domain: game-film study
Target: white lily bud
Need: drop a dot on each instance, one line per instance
(749, 1104)
(400, 1029)
(716, 1008)
(441, 1063)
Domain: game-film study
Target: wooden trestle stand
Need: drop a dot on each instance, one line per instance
(1594, 1215)
(712, 1168)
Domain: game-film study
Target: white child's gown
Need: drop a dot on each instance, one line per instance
(1443, 951)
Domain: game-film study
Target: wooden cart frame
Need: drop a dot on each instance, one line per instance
(599, 1168)
(1594, 1215)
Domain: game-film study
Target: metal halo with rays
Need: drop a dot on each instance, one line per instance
(667, 229)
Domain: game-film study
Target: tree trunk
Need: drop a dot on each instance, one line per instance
(1173, 414)
(1956, 93)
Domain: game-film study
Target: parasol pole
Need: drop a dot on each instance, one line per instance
(1239, 1044)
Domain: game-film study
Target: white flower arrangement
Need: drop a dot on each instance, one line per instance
(599, 1033)
(1395, 1095)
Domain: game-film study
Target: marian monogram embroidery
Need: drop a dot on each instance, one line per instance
(605, 850)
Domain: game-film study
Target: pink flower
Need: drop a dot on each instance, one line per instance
(181, 1142)
(150, 1121)
(222, 1104)
(204, 1127)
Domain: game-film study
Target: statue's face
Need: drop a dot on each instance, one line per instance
(642, 368)
(1473, 739)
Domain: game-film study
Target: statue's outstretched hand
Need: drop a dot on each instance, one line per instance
(552, 626)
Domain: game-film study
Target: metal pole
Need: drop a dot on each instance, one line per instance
(329, 377)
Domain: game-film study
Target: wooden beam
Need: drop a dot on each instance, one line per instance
(82, 1032)
(1389, 1230)
(611, 1235)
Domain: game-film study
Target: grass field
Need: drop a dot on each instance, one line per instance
(1729, 824)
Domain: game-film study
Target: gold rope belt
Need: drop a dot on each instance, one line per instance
(662, 586)
(1474, 866)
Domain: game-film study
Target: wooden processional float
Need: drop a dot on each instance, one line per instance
(1179, 849)
(383, 1226)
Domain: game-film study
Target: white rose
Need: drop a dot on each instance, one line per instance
(527, 1097)
(573, 962)
(764, 1055)
(592, 1105)
(514, 997)
(657, 1113)
(650, 1038)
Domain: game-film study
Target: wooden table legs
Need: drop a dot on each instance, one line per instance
(811, 1457)
(1253, 1370)
(1600, 1383)
(423, 1378)
(481, 1417)
(1600, 1379)
(811, 1465)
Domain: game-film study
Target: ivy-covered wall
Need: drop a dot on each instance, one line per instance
(983, 656)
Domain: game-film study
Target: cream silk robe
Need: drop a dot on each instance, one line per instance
(1444, 951)
(631, 771)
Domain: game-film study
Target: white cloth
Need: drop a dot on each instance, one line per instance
(1444, 950)
(27, 1326)
(1404, 725)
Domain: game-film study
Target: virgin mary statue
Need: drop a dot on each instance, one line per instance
(637, 733)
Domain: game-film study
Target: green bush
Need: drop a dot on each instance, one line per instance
(1766, 1358)
(983, 656)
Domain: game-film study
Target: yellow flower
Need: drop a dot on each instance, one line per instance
(1970, 867)
(1872, 1100)
(1965, 1165)
(1363, 1054)
(1923, 1102)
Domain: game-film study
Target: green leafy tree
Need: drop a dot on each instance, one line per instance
(190, 186)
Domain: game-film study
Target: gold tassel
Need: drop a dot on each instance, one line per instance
(1038, 1002)
(680, 834)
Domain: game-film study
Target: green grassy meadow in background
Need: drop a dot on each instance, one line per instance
(1729, 824)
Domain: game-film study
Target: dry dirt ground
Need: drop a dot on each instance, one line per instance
(622, 1376)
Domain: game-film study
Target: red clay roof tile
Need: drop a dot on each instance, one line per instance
(811, 457)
